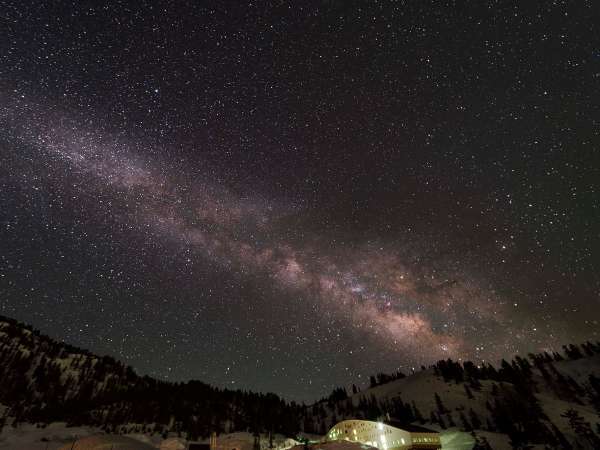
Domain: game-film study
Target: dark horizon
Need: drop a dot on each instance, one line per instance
(290, 198)
(562, 352)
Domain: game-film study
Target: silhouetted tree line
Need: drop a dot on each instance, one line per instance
(583, 430)
(338, 394)
(383, 378)
(43, 381)
(514, 409)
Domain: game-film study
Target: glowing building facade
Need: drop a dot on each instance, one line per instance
(385, 436)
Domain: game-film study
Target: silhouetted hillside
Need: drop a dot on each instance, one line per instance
(551, 400)
(42, 380)
(548, 399)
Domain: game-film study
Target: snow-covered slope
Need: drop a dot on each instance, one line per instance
(544, 400)
(34, 437)
(45, 381)
(59, 436)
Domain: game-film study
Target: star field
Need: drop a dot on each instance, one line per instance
(290, 197)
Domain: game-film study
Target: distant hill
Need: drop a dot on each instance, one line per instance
(551, 400)
(44, 381)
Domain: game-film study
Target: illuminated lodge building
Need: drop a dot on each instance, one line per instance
(385, 436)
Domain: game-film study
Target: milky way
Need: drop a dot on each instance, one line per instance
(210, 228)
(370, 288)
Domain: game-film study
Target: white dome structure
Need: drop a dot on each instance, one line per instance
(385, 436)
(106, 442)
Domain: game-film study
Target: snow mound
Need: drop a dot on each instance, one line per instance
(32, 437)
(107, 442)
(173, 444)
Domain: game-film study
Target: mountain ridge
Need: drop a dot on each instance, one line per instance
(546, 399)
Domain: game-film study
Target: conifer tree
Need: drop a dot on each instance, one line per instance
(440, 406)
(417, 414)
(474, 418)
(451, 422)
(465, 423)
(468, 391)
(440, 420)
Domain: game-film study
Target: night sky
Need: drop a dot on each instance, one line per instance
(291, 196)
